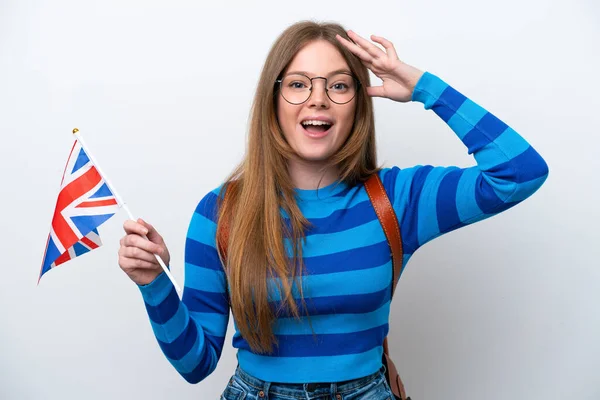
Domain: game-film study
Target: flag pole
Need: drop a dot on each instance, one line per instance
(122, 203)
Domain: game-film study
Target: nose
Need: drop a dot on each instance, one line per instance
(318, 96)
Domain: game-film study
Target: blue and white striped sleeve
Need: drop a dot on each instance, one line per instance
(191, 331)
(436, 200)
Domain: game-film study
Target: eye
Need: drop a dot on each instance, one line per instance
(339, 86)
(297, 85)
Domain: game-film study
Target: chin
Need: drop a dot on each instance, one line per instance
(313, 158)
(314, 155)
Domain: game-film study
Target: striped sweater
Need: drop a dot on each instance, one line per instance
(348, 262)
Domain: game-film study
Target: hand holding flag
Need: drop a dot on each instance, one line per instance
(136, 255)
(85, 201)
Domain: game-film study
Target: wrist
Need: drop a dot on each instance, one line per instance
(413, 79)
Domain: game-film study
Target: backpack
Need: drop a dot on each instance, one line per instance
(391, 228)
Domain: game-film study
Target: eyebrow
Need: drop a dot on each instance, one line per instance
(337, 71)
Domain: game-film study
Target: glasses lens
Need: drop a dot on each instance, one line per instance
(295, 88)
(341, 88)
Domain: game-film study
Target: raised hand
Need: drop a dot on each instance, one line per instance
(398, 78)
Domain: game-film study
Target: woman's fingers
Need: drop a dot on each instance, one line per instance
(137, 241)
(136, 252)
(134, 263)
(369, 53)
(373, 50)
(152, 234)
(387, 45)
(145, 231)
(140, 247)
(131, 226)
(133, 257)
(356, 50)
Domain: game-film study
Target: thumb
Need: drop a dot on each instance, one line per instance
(152, 234)
(375, 91)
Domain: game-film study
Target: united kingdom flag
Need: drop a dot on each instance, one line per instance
(84, 202)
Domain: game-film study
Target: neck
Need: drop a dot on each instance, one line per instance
(311, 175)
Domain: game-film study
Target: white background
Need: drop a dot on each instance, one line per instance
(505, 308)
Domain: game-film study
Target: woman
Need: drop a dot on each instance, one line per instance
(313, 322)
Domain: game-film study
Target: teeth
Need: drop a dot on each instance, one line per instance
(311, 122)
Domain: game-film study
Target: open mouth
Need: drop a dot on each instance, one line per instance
(315, 127)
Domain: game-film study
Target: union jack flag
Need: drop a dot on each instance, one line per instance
(84, 202)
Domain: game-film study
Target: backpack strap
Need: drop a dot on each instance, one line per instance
(391, 228)
(389, 222)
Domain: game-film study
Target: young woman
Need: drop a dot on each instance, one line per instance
(306, 269)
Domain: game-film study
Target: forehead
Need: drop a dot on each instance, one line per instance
(318, 58)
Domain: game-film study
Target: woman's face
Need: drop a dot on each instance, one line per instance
(316, 141)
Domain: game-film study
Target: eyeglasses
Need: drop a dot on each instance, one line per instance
(341, 88)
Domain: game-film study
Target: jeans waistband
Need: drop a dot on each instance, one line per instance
(280, 387)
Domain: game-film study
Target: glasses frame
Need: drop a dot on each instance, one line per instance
(280, 83)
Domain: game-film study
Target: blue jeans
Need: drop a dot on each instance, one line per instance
(243, 386)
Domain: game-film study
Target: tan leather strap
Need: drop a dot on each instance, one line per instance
(389, 222)
(391, 228)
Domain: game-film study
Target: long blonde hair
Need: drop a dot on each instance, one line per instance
(251, 210)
